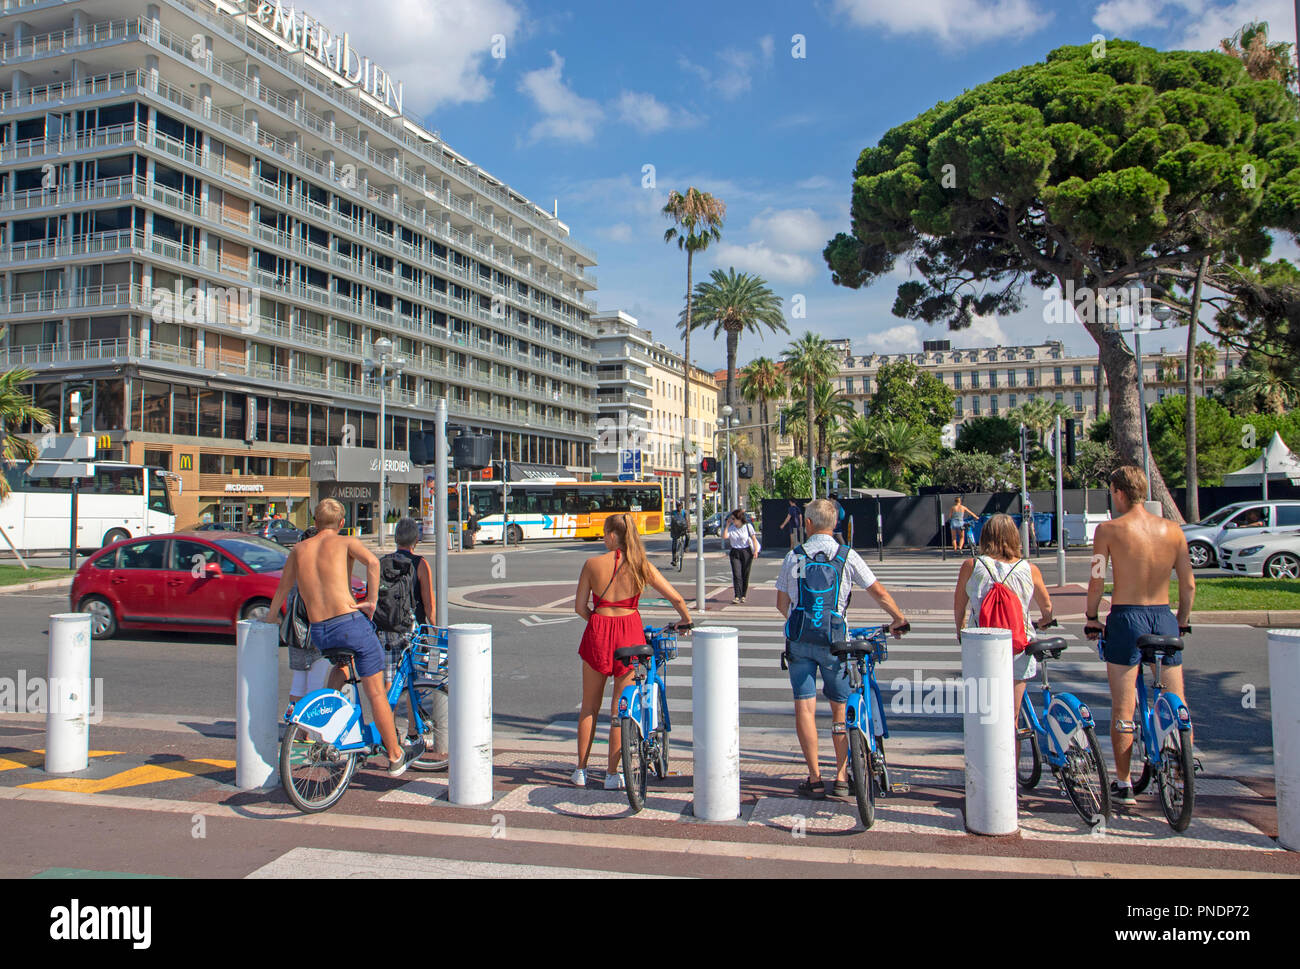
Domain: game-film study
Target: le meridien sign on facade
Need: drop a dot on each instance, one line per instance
(332, 51)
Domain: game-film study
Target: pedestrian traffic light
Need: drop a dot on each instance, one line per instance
(821, 472)
(708, 465)
(1069, 441)
(744, 470)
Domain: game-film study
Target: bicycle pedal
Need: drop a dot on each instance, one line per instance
(1196, 766)
(898, 787)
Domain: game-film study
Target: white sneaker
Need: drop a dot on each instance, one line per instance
(579, 778)
(613, 782)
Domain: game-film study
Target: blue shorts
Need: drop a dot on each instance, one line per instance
(1124, 624)
(354, 631)
(804, 662)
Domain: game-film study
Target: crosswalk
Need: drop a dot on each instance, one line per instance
(920, 683)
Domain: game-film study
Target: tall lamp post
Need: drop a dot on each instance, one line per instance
(383, 367)
(693, 462)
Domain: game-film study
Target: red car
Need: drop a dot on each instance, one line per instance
(187, 582)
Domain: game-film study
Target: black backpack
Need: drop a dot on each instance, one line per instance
(294, 624)
(395, 611)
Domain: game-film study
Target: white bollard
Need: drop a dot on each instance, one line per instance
(1284, 695)
(67, 712)
(257, 694)
(989, 733)
(715, 712)
(469, 721)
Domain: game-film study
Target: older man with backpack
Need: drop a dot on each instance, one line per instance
(813, 594)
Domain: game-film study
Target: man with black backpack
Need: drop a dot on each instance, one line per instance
(405, 593)
(813, 594)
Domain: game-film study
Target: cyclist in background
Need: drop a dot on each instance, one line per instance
(1142, 550)
(679, 529)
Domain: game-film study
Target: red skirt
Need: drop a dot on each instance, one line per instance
(603, 635)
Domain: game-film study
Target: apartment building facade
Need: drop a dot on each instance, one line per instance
(211, 211)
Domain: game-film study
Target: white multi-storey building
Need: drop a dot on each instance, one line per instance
(211, 210)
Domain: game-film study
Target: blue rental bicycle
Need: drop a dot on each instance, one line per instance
(1162, 730)
(864, 715)
(326, 732)
(643, 710)
(1067, 736)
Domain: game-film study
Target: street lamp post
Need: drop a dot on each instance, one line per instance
(693, 461)
(387, 369)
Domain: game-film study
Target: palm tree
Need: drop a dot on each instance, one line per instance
(1167, 370)
(1206, 356)
(830, 409)
(1274, 392)
(761, 382)
(1263, 61)
(891, 446)
(16, 410)
(854, 440)
(808, 360)
(796, 423)
(697, 221)
(1038, 415)
(734, 302)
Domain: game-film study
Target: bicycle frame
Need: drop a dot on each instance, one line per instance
(639, 700)
(1066, 716)
(863, 706)
(1160, 718)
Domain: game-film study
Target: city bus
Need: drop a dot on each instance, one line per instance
(121, 501)
(553, 508)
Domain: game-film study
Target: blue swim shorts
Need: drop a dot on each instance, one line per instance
(1124, 624)
(354, 631)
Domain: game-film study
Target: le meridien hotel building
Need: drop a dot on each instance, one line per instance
(210, 212)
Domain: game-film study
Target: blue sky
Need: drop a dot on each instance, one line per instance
(712, 94)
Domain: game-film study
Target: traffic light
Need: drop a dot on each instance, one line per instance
(708, 465)
(1069, 441)
(744, 470)
(821, 472)
(1024, 445)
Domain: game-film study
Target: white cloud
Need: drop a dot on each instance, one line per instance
(567, 116)
(1215, 22)
(904, 338)
(1119, 18)
(734, 74)
(758, 258)
(984, 331)
(954, 23)
(649, 115)
(618, 232)
(438, 49)
(798, 229)
(768, 47)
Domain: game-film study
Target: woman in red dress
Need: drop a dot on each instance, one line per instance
(612, 622)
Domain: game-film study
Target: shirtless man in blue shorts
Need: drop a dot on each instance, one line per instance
(1143, 549)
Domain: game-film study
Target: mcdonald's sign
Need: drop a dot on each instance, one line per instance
(104, 442)
(187, 462)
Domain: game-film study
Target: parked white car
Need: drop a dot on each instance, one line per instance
(1273, 555)
(1234, 521)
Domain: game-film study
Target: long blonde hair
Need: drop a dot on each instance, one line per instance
(629, 539)
(1000, 538)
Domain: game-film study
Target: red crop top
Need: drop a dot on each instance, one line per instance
(599, 603)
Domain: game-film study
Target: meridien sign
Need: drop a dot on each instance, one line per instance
(332, 51)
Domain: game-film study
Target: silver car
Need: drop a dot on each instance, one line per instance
(1238, 520)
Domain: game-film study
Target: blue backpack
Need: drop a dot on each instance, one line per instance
(815, 618)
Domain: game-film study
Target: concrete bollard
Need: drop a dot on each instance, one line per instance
(1284, 695)
(715, 712)
(989, 735)
(67, 711)
(469, 726)
(257, 694)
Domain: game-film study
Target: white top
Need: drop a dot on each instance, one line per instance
(855, 570)
(1020, 581)
(738, 535)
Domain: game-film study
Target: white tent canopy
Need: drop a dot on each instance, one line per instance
(1282, 465)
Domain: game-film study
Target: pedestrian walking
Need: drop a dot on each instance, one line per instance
(322, 568)
(742, 546)
(839, 517)
(621, 573)
(793, 523)
(1000, 566)
(817, 574)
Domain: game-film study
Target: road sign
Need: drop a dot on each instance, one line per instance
(60, 469)
(66, 447)
(713, 486)
(629, 463)
(627, 477)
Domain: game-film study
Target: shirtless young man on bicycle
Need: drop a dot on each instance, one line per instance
(1142, 549)
(322, 568)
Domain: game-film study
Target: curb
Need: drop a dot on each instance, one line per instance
(33, 586)
(1251, 617)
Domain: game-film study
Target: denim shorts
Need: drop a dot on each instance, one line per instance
(804, 662)
(354, 631)
(1124, 624)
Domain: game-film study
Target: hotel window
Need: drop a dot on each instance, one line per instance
(956, 381)
(1011, 401)
(993, 405)
(975, 379)
(1056, 376)
(975, 406)
(993, 379)
(957, 405)
(1029, 376)
(1060, 398)
(848, 385)
(1011, 378)
(1078, 403)
(1078, 375)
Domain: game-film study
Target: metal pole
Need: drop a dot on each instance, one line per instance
(67, 712)
(943, 544)
(1060, 509)
(880, 530)
(700, 603)
(1265, 475)
(383, 419)
(715, 713)
(72, 527)
(1024, 496)
(1142, 409)
(1284, 688)
(440, 508)
(469, 728)
(257, 690)
(989, 734)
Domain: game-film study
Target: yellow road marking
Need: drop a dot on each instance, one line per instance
(134, 777)
(34, 758)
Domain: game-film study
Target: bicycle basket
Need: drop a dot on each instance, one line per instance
(429, 649)
(665, 646)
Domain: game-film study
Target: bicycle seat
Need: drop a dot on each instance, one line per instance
(625, 653)
(1052, 645)
(854, 647)
(1166, 644)
(339, 657)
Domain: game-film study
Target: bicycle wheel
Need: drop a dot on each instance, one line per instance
(432, 698)
(1174, 778)
(634, 763)
(1139, 750)
(661, 734)
(1085, 780)
(880, 769)
(1029, 756)
(860, 778)
(314, 774)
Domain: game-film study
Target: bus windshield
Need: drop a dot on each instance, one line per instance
(159, 499)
